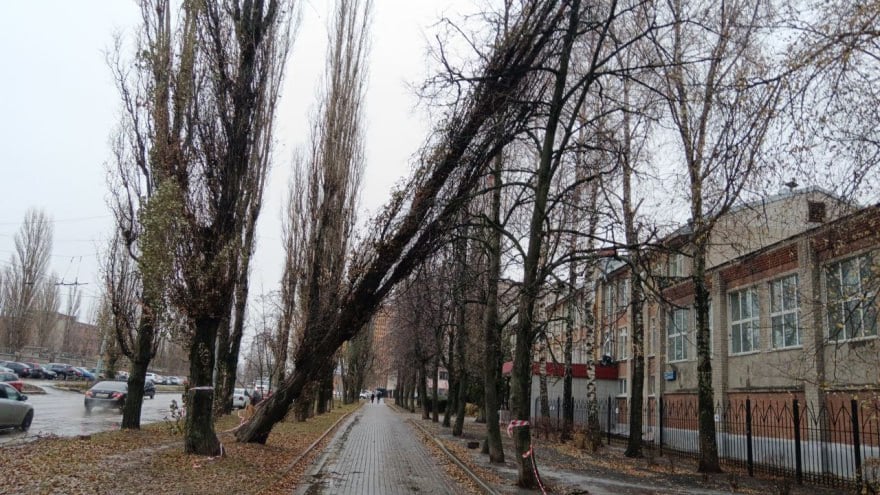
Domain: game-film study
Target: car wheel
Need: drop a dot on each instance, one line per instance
(26, 422)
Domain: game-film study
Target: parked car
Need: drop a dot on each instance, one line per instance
(4, 369)
(122, 375)
(149, 389)
(14, 413)
(39, 371)
(153, 377)
(86, 374)
(20, 369)
(112, 394)
(364, 394)
(65, 371)
(12, 379)
(239, 398)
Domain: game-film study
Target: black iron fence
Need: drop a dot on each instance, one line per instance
(836, 444)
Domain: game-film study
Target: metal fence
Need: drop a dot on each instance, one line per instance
(836, 444)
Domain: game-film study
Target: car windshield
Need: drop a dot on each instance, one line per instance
(116, 386)
(8, 377)
(239, 391)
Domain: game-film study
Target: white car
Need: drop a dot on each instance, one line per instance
(154, 377)
(239, 399)
(14, 413)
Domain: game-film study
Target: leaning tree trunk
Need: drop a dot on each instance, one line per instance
(412, 239)
(200, 435)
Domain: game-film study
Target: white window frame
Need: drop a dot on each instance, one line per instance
(608, 345)
(675, 265)
(748, 321)
(677, 327)
(621, 299)
(785, 312)
(607, 299)
(622, 387)
(848, 309)
(622, 344)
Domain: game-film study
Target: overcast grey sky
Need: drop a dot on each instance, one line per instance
(58, 107)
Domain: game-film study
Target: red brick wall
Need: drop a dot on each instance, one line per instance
(771, 413)
(761, 267)
(839, 407)
(858, 232)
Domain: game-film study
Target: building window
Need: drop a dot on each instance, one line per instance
(622, 344)
(622, 293)
(607, 302)
(676, 335)
(649, 341)
(621, 386)
(785, 307)
(675, 265)
(744, 328)
(852, 309)
(608, 345)
(652, 384)
(815, 211)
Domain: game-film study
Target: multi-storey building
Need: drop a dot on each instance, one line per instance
(792, 307)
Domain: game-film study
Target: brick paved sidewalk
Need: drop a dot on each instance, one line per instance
(376, 452)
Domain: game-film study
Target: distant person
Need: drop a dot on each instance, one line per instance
(256, 397)
(372, 398)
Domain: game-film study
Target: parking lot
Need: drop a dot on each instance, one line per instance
(60, 412)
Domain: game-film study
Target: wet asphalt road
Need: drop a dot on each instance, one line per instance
(59, 412)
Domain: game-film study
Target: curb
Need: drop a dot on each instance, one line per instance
(472, 475)
(314, 444)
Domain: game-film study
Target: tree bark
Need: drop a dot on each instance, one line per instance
(201, 438)
(491, 325)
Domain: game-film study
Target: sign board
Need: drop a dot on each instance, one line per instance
(669, 376)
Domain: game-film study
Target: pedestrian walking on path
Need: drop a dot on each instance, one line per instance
(376, 452)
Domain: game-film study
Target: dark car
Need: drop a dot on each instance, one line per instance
(86, 374)
(65, 371)
(20, 369)
(112, 394)
(38, 371)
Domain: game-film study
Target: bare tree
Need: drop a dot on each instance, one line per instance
(831, 136)
(195, 146)
(406, 231)
(331, 172)
(721, 96)
(46, 317)
(24, 277)
(355, 363)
